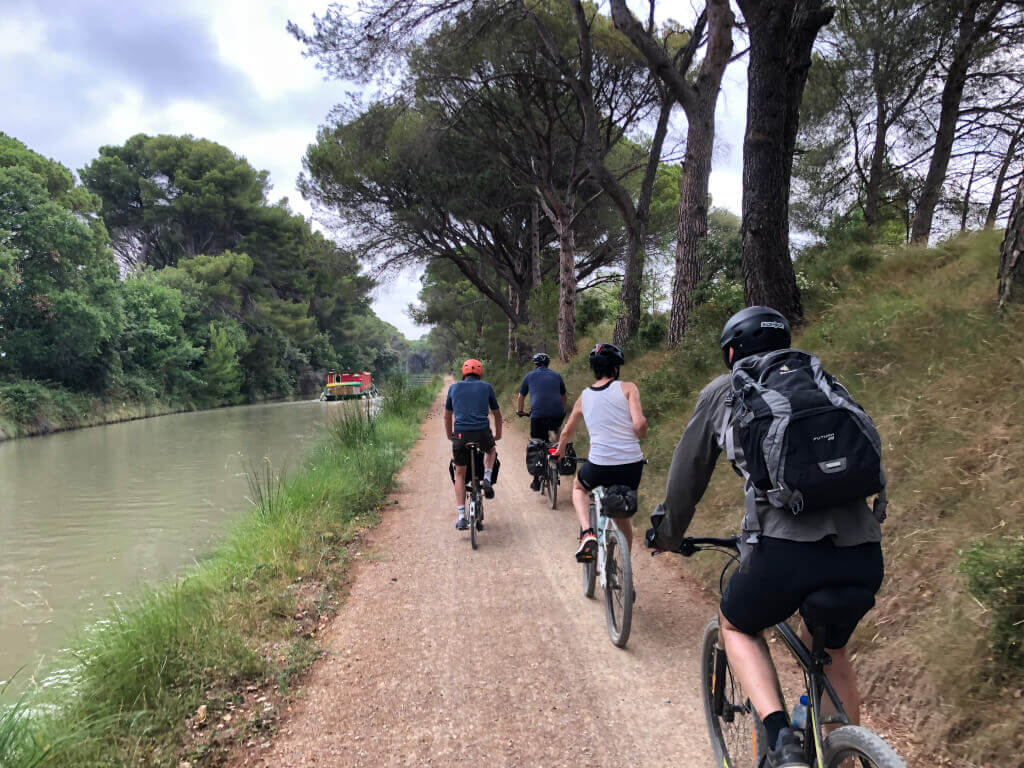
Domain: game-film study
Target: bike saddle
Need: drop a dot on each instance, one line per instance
(836, 605)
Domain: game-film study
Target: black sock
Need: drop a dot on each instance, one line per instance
(774, 723)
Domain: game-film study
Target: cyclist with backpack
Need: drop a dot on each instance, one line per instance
(548, 399)
(465, 421)
(809, 457)
(615, 420)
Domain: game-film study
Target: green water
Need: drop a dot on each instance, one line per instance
(86, 517)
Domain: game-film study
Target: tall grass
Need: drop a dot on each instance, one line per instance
(133, 681)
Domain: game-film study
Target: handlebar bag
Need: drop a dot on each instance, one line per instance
(620, 501)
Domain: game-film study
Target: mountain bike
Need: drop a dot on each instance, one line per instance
(615, 569)
(737, 734)
(475, 505)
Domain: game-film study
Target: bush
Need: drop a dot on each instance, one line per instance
(995, 576)
(653, 330)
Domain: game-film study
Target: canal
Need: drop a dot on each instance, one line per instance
(87, 517)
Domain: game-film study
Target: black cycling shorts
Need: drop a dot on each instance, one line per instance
(777, 575)
(606, 475)
(460, 453)
(542, 427)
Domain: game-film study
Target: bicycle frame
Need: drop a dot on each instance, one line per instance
(601, 530)
(812, 663)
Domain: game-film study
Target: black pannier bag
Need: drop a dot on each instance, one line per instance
(806, 443)
(567, 464)
(479, 468)
(536, 456)
(619, 501)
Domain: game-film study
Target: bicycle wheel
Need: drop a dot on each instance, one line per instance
(737, 735)
(475, 501)
(590, 566)
(618, 590)
(854, 747)
(553, 485)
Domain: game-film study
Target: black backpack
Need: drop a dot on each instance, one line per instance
(806, 443)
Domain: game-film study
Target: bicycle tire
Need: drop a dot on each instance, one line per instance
(552, 486)
(472, 520)
(741, 741)
(851, 745)
(618, 591)
(590, 566)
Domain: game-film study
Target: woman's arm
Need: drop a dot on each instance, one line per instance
(569, 430)
(636, 411)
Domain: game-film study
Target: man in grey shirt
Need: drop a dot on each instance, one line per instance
(785, 557)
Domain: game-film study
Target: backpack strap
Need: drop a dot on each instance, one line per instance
(864, 422)
(881, 501)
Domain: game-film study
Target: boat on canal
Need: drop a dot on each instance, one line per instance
(341, 385)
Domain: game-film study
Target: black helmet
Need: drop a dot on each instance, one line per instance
(541, 359)
(608, 352)
(753, 330)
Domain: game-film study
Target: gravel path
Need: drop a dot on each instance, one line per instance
(444, 656)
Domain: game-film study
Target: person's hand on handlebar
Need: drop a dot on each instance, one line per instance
(522, 413)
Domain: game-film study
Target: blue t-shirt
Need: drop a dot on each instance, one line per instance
(470, 401)
(545, 388)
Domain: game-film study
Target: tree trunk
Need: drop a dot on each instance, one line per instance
(1011, 263)
(997, 193)
(566, 284)
(628, 322)
(782, 33)
(873, 191)
(952, 95)
(692, 226)
(535, 242)
(966, 207)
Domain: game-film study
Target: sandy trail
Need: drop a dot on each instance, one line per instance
(446, 656)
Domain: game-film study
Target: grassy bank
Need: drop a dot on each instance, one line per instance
(190, 668)
(916, 335)
(29, 408)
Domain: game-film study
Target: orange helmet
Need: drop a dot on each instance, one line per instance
(474, 367)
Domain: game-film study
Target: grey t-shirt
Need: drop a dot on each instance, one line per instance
(693, 463)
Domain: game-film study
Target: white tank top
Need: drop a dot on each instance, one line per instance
(606, 413)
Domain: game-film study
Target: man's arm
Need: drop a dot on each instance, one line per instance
(693, 463)
(636, 412)
(569, 430)
(497, 423)
(448, 419)
(492, 402)
(562, 391)
(520, 402)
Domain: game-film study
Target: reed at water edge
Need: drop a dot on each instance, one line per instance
(146, 686)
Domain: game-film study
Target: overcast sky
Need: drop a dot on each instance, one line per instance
(77, 74)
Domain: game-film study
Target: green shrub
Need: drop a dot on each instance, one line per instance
(995, 576)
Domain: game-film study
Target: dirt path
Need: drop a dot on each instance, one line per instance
(445, 656)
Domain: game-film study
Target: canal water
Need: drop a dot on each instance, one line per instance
(87, 517)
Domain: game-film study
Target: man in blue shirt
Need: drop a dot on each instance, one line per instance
(465, 421)
(547, 401)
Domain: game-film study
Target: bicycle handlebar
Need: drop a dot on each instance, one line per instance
(691, 545)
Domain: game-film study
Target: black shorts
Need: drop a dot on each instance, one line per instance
(543, 426)
(460, 453)
(593, 475)
(777, 575)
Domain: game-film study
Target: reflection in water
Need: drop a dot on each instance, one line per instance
(87, 516)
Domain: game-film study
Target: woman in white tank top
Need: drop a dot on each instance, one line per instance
(616, 423)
